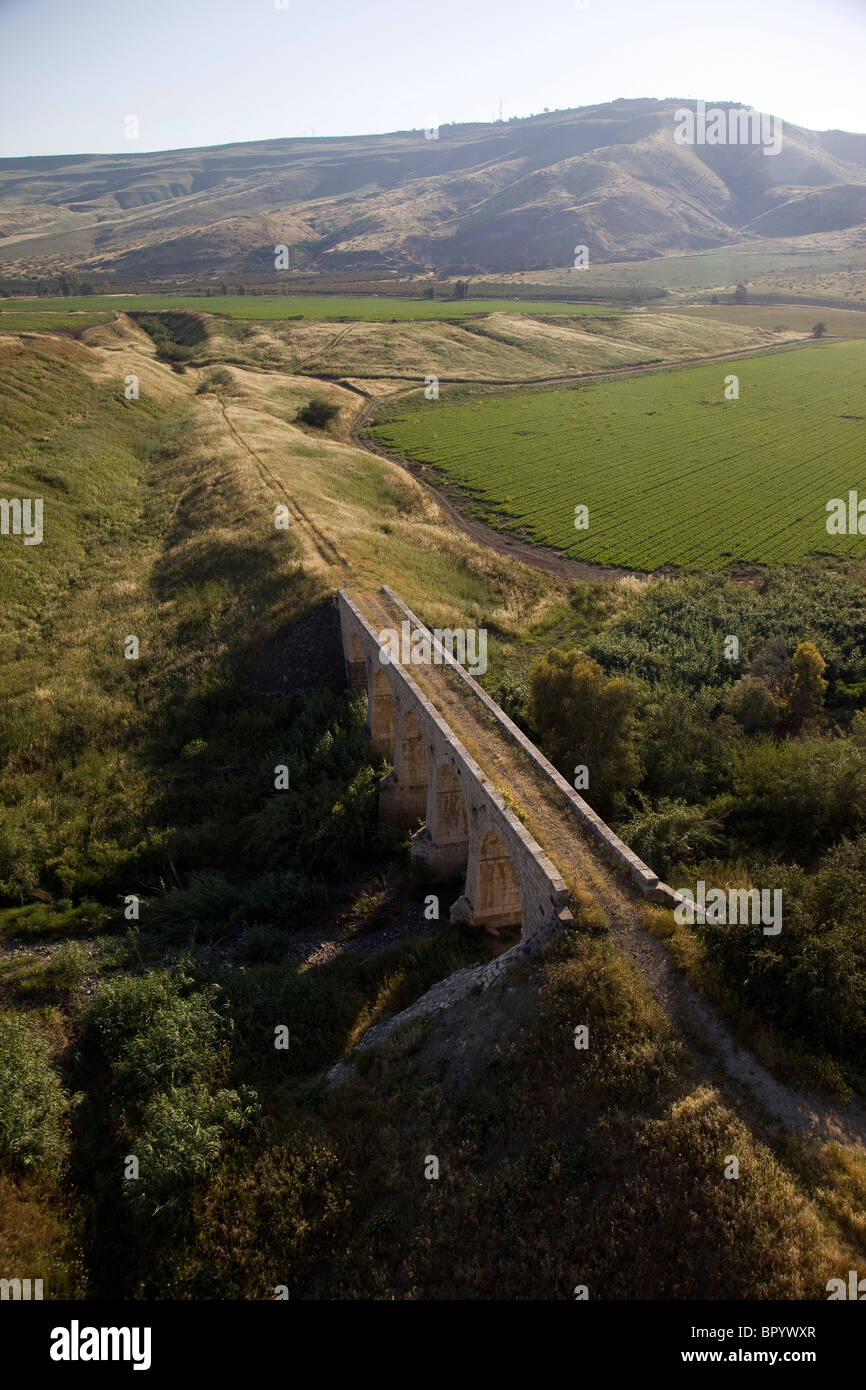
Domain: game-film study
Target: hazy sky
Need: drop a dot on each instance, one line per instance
(206, 72)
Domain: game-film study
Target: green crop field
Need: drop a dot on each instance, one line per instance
(50, 320)
(671, 471)
(369, 309)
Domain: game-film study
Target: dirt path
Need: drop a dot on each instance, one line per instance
(547, 815)
(322, 544)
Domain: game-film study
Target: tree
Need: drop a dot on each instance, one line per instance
(752, 704)
(318, 412)
(582, 718)
(218, 378)
(740, 294)
(807, 691)
(461, 289)
(819, 330)
(772, 664)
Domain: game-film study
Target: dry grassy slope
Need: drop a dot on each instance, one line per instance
(487, 195)
(497, 347)
(355, 514)
(830, 264)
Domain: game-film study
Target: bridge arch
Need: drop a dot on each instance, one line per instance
(404, 793)
(497, 898)
(381, 715)
(447, 821)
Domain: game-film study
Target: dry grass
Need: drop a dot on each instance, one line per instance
(659, 921)
(603, 1167)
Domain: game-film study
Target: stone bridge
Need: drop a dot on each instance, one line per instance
(466, 824)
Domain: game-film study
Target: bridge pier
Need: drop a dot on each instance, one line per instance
(443, 844)
(403, 793)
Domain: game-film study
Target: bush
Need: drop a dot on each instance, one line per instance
(810, 980)
(318, 412)
(32, 1099)
(581, 717)
(218, 379)
(207, 902)
(798, 797)
(157, 1036)
(685, 749)
(753, 705)
(168, 349)
(67, 967)
(671, 834)
(211, 907)
(184, 1133)
(511, 693)
(264, 944)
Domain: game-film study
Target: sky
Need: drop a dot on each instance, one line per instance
(208, 72)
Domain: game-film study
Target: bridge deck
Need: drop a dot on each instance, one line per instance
(542, 807)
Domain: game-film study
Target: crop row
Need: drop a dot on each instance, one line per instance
(671, 471)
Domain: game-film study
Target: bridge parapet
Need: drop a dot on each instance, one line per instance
(614, 848)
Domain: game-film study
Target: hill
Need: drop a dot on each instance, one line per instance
(504, 197)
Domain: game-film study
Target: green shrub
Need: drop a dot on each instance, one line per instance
(155, 1035)
(753, 705)
(809, 981)
(67, 967)
(581, 717)
(217, 379)
(207, 903)
(672, 833)
(211, 907)
(184, 1132)
(798, 797)
(32, 1099)
(318, 413)
(264, 944)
